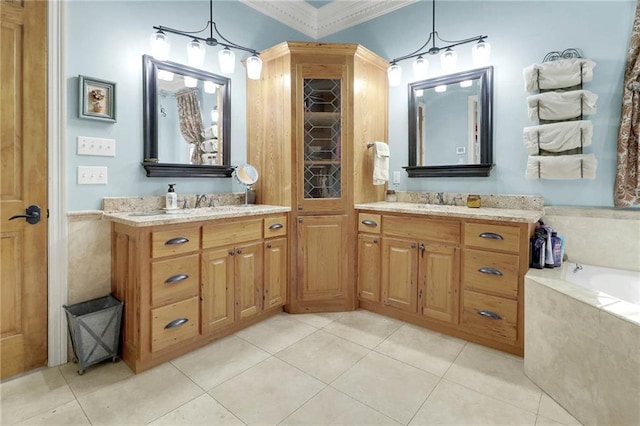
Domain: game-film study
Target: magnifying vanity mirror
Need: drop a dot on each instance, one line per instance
(451, 125)
(187, 121)
(247, 175)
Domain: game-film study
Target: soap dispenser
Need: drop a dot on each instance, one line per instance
(172, 198)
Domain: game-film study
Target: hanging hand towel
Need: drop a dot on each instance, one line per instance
(561, 105)
(380, 163)
(557, 137)
(557, 74)
(581, 166)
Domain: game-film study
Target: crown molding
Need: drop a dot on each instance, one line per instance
(329, 19)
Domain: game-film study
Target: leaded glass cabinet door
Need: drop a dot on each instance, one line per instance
(321, 187)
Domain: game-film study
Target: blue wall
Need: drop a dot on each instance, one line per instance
(520, 33)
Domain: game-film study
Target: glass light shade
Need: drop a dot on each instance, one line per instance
(165, 75)
(190, 81)
(420, 68)
(466, 83)
(448, 61)
(209, 87)
(195, 53)
(394, 74)
(441, 88)
(254, 67)
(481, 52)
(160, 46)
(227, 61)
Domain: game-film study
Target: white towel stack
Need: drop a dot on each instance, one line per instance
(561, 105)
(557, 137)
(579, 166)
(558, 74)
(380, 163)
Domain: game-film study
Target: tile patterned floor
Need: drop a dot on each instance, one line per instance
(353, 368)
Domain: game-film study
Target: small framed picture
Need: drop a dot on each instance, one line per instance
(97, 99)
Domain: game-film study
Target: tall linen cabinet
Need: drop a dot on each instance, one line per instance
(310, 119)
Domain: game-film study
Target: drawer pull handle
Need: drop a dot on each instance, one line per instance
(176, 278)
(276, 226)
(489, 314)
(491, 236)
(177, 240)
(176, 323)
(368, 222)
(490, 271)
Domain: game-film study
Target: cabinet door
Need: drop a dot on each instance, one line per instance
(248, 280)
(275, 273)
(400, 274)
(439, 282)
(369, 267)
(320, 135)
(217, 289)
(322, 271)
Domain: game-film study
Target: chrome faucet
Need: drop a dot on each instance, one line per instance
(200, 199)
(577, 268)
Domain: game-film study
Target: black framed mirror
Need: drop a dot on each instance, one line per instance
(186, 121)
(451, 125)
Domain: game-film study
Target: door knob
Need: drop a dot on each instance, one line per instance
(32, 214)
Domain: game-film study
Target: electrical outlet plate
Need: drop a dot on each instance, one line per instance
(396, 178)
(96, 146)
(92, 175)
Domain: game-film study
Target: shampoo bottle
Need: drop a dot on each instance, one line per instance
(172, 198)
(556, 241)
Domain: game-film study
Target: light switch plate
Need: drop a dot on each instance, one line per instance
(92, 175)
(96, 146)
(396, 178)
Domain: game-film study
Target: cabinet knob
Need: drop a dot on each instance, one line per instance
(300, 220)
(269, 245)
(413, 245)
(239, 251)
(232, 253)
(375, 241)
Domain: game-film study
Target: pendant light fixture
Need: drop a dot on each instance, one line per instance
(160, 47)
(448, 57)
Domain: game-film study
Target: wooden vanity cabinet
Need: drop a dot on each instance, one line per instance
(369, 256)
(310, 119)
(185, 285)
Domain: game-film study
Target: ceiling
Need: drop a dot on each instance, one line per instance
(320, 18)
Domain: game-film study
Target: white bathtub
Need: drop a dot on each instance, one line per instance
(621, 284)
(582, 340)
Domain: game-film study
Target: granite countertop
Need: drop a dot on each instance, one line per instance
(464, 212)
(160, 217)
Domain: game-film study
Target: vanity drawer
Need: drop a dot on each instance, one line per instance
(491, 272)
(489, 236)
(369, 222)
(174, 279)
(275, 226)
(417, 229)
(490, 316)
(226, 234)
(174, 323)
(176, 241)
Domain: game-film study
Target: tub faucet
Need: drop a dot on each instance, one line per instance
(577, 268)
(200, 199)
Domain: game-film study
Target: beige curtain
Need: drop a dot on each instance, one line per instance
(190, 120)
(627, 185)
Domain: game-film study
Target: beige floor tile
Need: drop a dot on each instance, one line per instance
(33, 394)
(95, 377)
(363, 327)
(266, 393)
(323, 355)
(543, 421)
(69, 414)
(554, 411)
(422, 348)
(141, 398)
(318, 320)
(497, 374)
(391, 387)
(451, 403)
(331, 407)
(219, 361)
(204, 410)
(276, 333)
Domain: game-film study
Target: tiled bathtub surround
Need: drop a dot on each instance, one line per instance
(151, 203)
(598, 236)
(583, 349)
(520, 202)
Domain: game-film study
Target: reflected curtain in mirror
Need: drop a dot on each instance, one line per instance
(190, 120)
